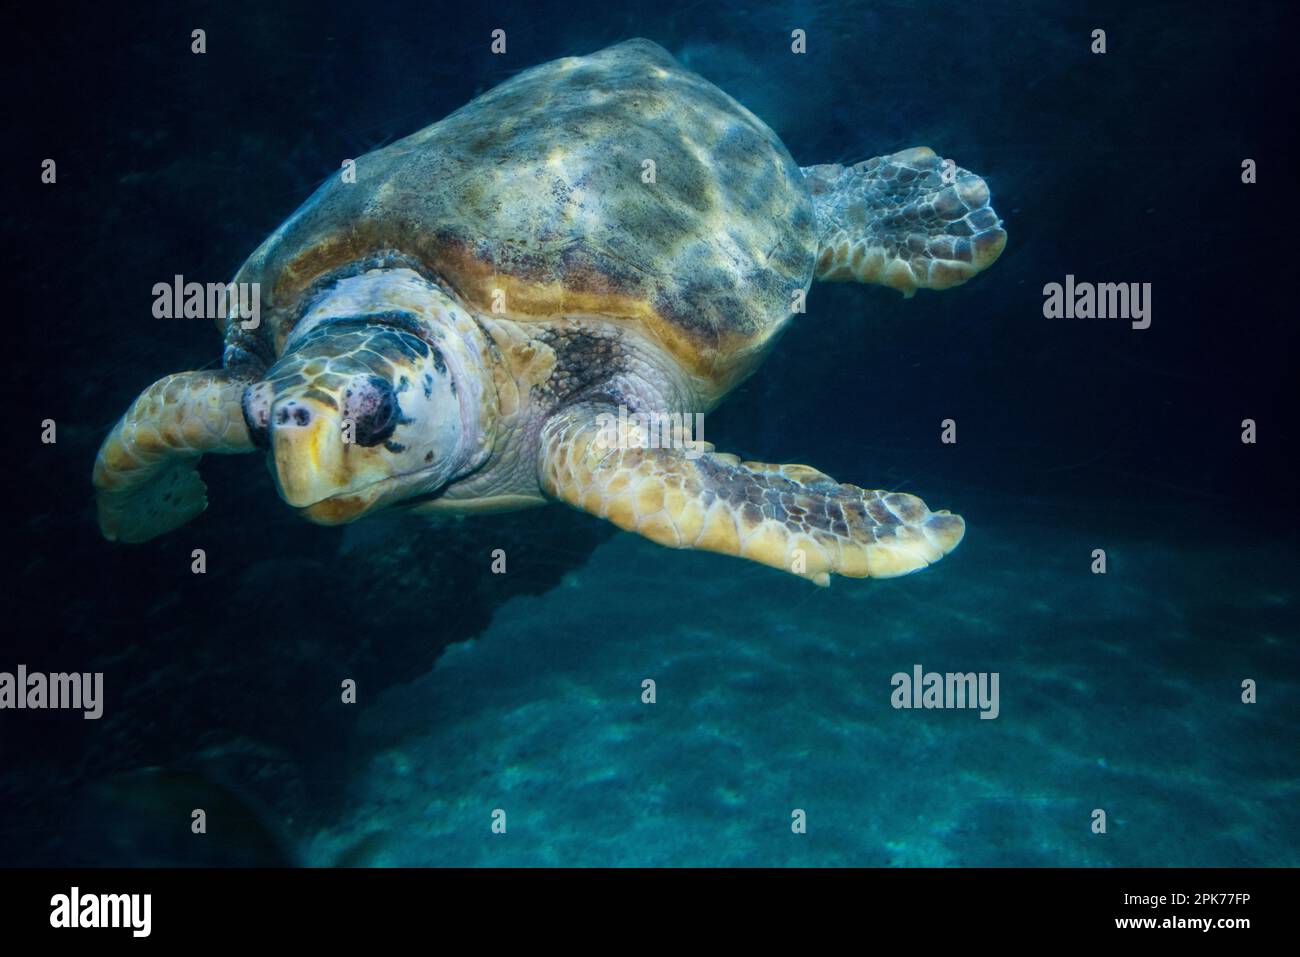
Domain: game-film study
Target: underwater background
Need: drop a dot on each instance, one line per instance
(1119, 691)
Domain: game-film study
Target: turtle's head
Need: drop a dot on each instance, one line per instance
(361, 412)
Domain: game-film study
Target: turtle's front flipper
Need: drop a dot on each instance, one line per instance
(908, 221)
(791, 517)
(146, 478)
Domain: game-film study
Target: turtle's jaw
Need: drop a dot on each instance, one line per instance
(327, 474)
(331, 482)
(340, 508)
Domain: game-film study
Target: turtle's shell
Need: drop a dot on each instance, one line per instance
(537, 188)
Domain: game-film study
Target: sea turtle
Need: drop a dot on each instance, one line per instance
(456, 326)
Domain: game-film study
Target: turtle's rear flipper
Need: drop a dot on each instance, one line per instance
(790, 517)
(145, 476)
(908, 221)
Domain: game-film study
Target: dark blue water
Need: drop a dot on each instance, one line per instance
(1119, 692)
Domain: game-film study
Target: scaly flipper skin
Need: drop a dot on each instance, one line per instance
(790, 517)
(907, 221)
(145, 475)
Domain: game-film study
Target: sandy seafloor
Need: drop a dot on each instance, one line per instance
(1117, 691)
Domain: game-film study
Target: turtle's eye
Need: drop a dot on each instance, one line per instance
(372, 406)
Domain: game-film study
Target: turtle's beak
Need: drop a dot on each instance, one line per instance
(310, 459)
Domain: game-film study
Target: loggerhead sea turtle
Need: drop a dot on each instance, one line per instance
(455, 329)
